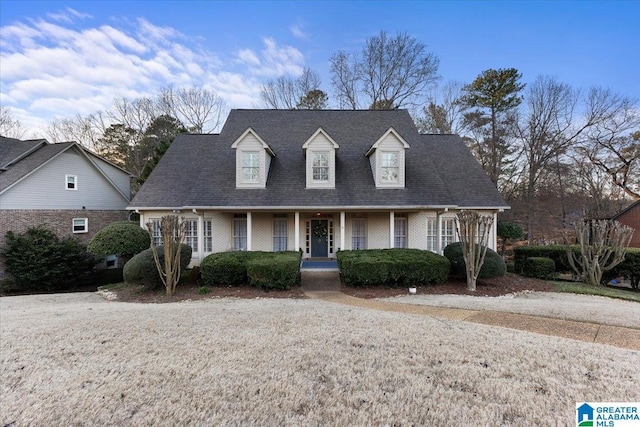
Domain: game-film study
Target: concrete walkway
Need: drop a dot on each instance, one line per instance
(325, 286)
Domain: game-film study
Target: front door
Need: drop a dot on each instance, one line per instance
(319, 238)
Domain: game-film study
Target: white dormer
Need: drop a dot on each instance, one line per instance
(387, 159)
(253, 159)
(320, 151)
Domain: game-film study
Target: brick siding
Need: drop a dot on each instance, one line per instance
(60, 221)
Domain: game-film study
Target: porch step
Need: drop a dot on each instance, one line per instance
(324, 265)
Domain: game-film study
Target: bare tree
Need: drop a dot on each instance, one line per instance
(390, 72)
(10, 127)
(173, 231)
(603, 245)
(86, 130)
(287, 93)
(199, 109)
(473, 230)
(444, 113)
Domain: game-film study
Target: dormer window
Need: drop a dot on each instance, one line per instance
(387, 159)
(320, 150)
(251, 166)
(389, 167)
(321, 166)
(253, 159)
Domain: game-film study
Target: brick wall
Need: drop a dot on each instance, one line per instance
(60, 221)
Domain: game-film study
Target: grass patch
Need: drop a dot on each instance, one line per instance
(583, 288)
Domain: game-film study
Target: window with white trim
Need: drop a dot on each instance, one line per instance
(400, 232)
(321, 166)
(358, 234)
(251, 166)
(389, 169)
(448, 232)
(279, 234)
(71, 182)
(80, 225)
(208, 235)
(111, 261)
(432, 235)
(240, 232)
(155, 231)
(191, 233)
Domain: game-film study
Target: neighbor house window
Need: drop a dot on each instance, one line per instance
(71, 182)
(400, 230)
(251, 166)
(448, 232)
(208, 235)
(432, 235)
(358, 234)
(389, 167)
(111, 261)
(155, 231)
(80, 225)
(240, 232)
(191, 234)
(321, 166)
(279, 234)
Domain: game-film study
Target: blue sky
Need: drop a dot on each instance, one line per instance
(58, 58)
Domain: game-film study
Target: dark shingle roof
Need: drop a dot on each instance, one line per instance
(199, 170)
(20, 158)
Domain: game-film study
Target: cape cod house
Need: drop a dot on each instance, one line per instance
(64, 186)
(316, 180)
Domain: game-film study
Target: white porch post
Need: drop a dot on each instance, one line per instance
(142, 224)
(296, 231)
(494, 232)
(392, 229)
(249, 228)
(200, 236)
(342, 221)
(439, 232)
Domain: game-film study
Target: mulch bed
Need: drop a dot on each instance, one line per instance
(189, 291)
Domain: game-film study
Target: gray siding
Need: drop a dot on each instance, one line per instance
(121, 179)
(46, 188)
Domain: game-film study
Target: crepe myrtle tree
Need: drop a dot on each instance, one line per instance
(173, 231)
(473, 230)
(603, 245)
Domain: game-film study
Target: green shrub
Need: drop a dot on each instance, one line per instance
(392, 267)
(493, 266)
(124, 239)
(540, 268)
(629, 268)
(225, 268)
(267, 270)
(203, 290)
(142, 270)
(38, 260)
(558, 253)
(274, 270)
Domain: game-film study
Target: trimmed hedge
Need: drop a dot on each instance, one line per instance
(123, 238)
(493, 266)
(558, 253)
(267, 270)
(142, 270)
(392, 267)
(540, 268)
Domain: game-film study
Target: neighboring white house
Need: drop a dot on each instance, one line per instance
(317, 180)
(64, 186)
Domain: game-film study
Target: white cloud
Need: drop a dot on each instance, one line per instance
(52, 68)
(298, 32)
(67, 15)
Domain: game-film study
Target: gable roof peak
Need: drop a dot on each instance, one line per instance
(256, 136)
(315, 134)
(390, 131)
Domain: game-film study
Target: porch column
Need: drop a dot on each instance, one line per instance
(392, 229)
(249, 227)
(439, 233)
(494, 232)
(142, 224)
(342, 221)
(200, 235)
(296, 231)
